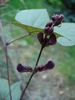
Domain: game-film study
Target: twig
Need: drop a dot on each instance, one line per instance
(18, 39)
(5, 46)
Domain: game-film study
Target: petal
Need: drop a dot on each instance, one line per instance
(21, 68)
(40, 37)
(49, 65)
(53, 39)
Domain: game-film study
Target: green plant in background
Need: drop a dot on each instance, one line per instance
(47, 33)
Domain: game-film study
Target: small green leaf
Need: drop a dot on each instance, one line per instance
(67, 31)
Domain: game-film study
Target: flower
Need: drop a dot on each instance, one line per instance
(21, 68)
(57, 19)
(52, 40)
(48, 30)
(49, 24)
(50, 65)
(40, 37)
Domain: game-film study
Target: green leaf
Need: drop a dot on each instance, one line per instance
(30, 29)
(33, 20)
(4, 90)
(15, 91)
(67, 31)
(33, 17)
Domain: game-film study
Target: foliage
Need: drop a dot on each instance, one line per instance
(4, 90)
(66, 38)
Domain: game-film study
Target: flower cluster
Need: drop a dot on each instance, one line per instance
(50, 38)
(45, 40)
(47, 66)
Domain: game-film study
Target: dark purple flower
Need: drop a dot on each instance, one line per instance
(40, 37)
(57, 19)
(48, 30)
(52, 40)
(49, 65)
(49, 24)
(40, 68)
(21, 68)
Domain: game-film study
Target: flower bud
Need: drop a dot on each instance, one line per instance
(48, 30)
(49, 24)
(58, 19)
(21, 68)
(40, 37)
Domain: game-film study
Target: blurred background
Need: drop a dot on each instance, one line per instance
(56, 84)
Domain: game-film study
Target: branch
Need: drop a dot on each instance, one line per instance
(17, 39)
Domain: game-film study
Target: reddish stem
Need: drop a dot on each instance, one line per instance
(32, 73)
(5, 46)
(18, 39)
(42, 47)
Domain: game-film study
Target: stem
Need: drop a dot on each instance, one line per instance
(32, 73)
(17, 39)
(6, 60)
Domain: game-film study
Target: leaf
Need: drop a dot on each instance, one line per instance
(33, 17)
(30, 29)
(67, 31)
(15, 91)
(65, 42)
(4, 90)
(33, 20)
